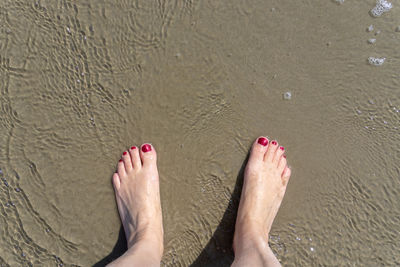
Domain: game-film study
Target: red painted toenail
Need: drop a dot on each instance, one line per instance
(146, 148)
(263, 141)
(284, 156)
(120, 160)
(133, 147)
(124, 153)
(274, 142)
(281, 148)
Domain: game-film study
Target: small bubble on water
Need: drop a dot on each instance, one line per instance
(287, 95)
(370, 28)
(377, 32)
(371, 101)
(385, 122)
(23, 255)
(47, 230)
(312, 249)
(298, 238)
(12, 203)
(17, 190)
(358, 111)
(339, 1)
(7, 204)
(68, 30)
(371, 41)
(310, 239)
(78, 81)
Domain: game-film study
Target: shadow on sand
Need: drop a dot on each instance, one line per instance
(218, 251)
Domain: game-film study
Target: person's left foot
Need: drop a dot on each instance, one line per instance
(137, 192)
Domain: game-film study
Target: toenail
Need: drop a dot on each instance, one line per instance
(146, 148)
(133, 147)
(281, 148)
(263, 141)
(274, 142)
(284, 156)
(124, 153)
(120, 160)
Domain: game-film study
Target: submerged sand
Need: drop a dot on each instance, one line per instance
(81, 81)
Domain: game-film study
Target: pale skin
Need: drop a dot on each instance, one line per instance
(136, 185)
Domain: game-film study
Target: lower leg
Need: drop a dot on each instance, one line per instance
(265, 180)
(141, 253)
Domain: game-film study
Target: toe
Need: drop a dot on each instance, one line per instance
(278, 154)
(116, 181)
(258, 150)
(148, 155)
(286, 175)
(135, 157)
(271, 149)
(121, 168)
(126, 157)
(282, 164)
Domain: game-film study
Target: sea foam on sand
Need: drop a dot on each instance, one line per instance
(381, 7)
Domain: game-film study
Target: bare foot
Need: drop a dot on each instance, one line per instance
(136, 186)
(265, 180)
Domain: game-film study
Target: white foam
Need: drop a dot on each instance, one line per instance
(371, 41)
(376, 61)
(381, 7)
(370, 28)
(339, 1)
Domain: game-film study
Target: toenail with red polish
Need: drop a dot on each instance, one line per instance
(281, 148)
(263, 141)
(284, 156)
(133, 147)
(274, 142)
(146, 148)
(124, 153)
(120, 160)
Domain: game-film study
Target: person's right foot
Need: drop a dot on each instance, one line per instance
(265, 179)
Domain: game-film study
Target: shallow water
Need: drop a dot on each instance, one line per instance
(83, 81)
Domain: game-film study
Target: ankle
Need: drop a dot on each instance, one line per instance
(250, 237)
(148, 239)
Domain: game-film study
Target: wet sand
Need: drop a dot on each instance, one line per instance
(83, 81)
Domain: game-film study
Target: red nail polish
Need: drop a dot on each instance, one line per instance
(274, 142)
(133, 147)
(281, 148)
(146, 148)
(284, 156)
(124, 153)
(120, 160)
(263, 141)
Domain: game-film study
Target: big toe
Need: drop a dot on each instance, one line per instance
(148, 155)
(258, 150)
